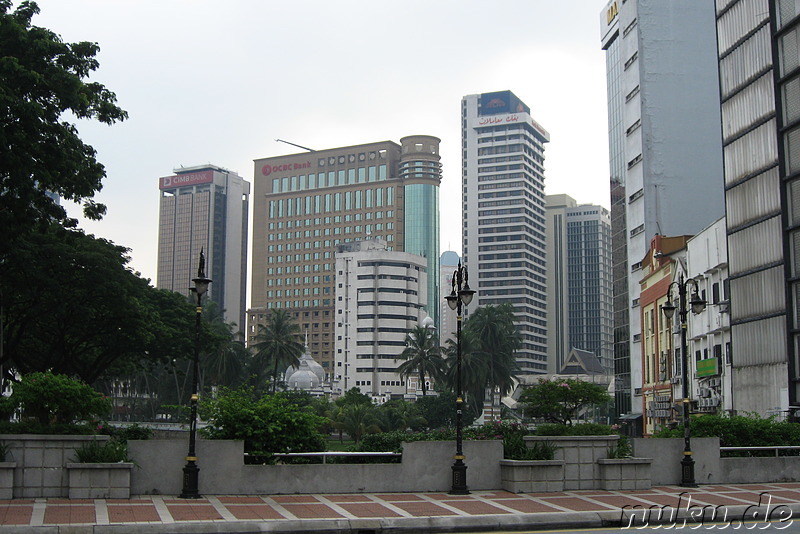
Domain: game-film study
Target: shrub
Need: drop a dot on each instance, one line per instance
(622, 449)
(33, 427)
(125, 433)
(111, 451)
(267, 424)
(584, 429)
(515, 448)
(52, 399)
(740, 430)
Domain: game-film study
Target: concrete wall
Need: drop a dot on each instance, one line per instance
(744, 470)
(668, 453)
(41, 461)
(425, 466)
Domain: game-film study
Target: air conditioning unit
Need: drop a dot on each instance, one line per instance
(705, 392)
(637, 391)
(676, 380)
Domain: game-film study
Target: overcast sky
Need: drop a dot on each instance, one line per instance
(218, 82)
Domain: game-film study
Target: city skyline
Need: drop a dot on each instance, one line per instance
(194, 85)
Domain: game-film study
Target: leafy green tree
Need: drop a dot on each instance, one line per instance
(359, 419)
(353, 396)
(561, 400)
(52, 398)
(440, 411)
(77, 309)
(422, 355)
(278, 345)
(400, 415)
(224, 357)
(266, 424)
(42, 81)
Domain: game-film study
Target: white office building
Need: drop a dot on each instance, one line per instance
(380, 296)
(504, 215)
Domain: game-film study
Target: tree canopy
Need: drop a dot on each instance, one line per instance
(70, 305)
(277, 345)
(561, 400)
(422, 355)
(44, 81)
(489, 341)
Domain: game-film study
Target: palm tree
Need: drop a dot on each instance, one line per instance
(224, 360)
(422, 355)
(498, 340)
(278, 343)
(359, 419)
(473, 370)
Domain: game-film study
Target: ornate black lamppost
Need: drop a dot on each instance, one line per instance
(458, 297)
(190, 470)
(697, 305)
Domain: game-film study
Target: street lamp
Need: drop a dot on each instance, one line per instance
(190, 470)
(697, 305)
(458, 297)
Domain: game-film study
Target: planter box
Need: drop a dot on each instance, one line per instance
(532, 476)
(7, 480)
(40, 462)
(580, 455)
(100, 481)
(624, 473)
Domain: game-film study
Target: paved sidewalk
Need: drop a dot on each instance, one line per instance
(396, 512)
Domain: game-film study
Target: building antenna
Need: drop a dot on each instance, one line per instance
(298, 146)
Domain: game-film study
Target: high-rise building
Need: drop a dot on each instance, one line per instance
(448, 319)
(664, 149)
(381, 296)
(579, 304)
(205, 207)
(308, 203)
(504, 219)
(760, 93)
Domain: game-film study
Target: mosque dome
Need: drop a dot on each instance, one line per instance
(307, 365)
(304, 378)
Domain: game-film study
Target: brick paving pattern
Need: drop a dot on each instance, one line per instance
(276, 508)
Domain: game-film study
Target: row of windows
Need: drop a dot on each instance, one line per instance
(320, 180)
(289, 304)
(331, 202)
(305, 291)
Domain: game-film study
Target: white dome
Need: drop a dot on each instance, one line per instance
(306, 361)
(427, 322)
(303, 378)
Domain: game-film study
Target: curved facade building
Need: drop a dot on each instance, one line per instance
(309, 203)
(421, 172)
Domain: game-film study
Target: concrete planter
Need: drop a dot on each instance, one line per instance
(100, 480)
(532, 476)
(40, 460)
(580, 455)
(624, 473)
(7, 480)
